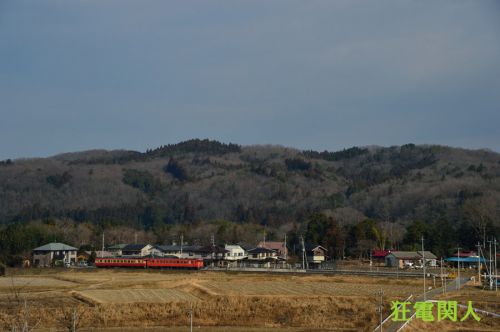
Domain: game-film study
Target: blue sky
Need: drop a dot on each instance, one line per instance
(77, 75)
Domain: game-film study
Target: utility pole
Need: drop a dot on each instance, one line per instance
(73, 320)
(442, 275)
(303, 253)
(479, 263)
(458, 268)
(496, 273)
(423, 262)
(182, 242)
(380, 307)
(135, 238)
(212, 239)
(190, 319)
(102, 251)
(371, 261)
(490, 261)
(286, 250)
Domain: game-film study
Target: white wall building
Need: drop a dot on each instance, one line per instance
(236, 252)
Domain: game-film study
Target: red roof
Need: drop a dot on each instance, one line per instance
(466, 254)
(377, 253)
(274, 245)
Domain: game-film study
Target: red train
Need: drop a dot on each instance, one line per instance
(159, 262)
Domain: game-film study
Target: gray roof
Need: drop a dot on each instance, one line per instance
(405, 254)
(412, 254)
(310, 247)
(428, 254)
(117, 246)
(185, 248)
(134, 247)
(54, 246)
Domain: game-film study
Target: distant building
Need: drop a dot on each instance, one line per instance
(207, 252)
(116, 249)
(262, 254)
(316, 254)
(468, 259)
(139, 250)
(378, 256)
(279, 247)
(402, 259)
(47, 254)
(235, 252)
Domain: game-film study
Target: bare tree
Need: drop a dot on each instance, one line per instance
(70, 318)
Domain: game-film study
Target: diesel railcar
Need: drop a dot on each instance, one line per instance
(153, 262)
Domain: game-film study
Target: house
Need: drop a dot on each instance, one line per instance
(235, 252)
(430, 258)
(466, 262)
(315, 254)
(137, 250)
(468, 259)
(262, 254)
(177, 251)
(402, 259)
(378, 256)
(116, 249)
(213, 252)
(207, 252)
(47, 254)
(279, 247)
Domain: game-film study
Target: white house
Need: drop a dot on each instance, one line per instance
(235, 252)
(47, 254)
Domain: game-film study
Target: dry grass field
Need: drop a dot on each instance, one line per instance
(129, 300)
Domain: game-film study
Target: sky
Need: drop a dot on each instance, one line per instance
(120, 74)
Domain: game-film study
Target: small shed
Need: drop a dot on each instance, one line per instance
(316, 254)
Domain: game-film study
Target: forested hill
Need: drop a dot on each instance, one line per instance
(199, 181)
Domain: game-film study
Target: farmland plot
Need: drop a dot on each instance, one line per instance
(291, 288)
(34, 281)
(138, 295)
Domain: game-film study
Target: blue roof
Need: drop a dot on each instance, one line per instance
(466, 259)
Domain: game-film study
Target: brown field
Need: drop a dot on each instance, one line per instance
(137, 295)
(128, 300)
